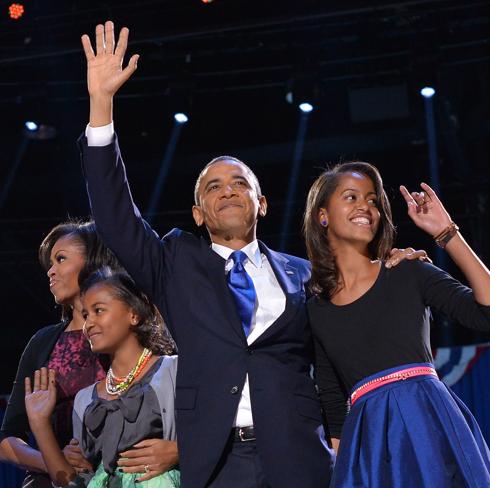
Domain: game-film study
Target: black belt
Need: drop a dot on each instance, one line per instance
(244, 434)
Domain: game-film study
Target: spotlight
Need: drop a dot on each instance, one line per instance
(39, 132)
(181, 118)
(16, 11)
(303, 90)
(31, 126)
(306, 107)
(427, 92)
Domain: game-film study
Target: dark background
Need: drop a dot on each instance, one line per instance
(234, 61)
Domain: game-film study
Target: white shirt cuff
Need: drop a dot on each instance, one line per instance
(100, 136)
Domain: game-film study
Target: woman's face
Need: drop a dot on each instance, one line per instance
(109, 322)
(66, 261)
(352, 213)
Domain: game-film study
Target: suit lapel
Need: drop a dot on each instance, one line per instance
(291, 284)
(215, 267)
(287, 277)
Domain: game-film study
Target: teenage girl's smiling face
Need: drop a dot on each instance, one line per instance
(109, 321)
(66, 260)
(352, 213)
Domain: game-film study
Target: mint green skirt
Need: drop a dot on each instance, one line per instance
(170, 479)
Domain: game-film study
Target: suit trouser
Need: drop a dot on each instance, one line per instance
(37, 480)
(239, 467)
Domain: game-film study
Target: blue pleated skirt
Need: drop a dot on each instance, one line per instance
(414, 433)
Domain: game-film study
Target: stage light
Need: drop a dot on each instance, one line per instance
(303, 90)
(16, 11)
(427, 92)
(165, 166)
(181, 118)
(207, 1)
(39, 132)
(31, 126)
(306, 107)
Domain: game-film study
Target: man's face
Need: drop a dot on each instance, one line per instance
(228, 201)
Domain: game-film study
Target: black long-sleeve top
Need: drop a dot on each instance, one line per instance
(35, 356)
(386, 327)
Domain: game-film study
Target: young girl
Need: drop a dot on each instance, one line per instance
(133, 404)
(405, 428)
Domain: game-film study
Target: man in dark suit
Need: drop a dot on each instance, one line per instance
(247, 410)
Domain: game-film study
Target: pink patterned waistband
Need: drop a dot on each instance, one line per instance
(400, 375)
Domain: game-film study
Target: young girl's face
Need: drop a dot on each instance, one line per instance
(352, 212)
(108, 320)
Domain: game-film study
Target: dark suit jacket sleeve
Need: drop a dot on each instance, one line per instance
(15, 422)
(146, 258)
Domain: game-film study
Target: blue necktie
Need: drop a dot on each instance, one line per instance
(242, 288)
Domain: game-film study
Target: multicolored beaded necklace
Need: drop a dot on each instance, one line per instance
(115, 385)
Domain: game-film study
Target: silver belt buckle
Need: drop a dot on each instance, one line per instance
(240, 435)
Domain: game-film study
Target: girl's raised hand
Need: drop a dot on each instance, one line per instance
(426, 210)
(41, 399)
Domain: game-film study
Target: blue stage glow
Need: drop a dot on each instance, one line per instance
(427, 92)
(181, 118)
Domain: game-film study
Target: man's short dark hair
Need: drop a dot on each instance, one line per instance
(252, 175)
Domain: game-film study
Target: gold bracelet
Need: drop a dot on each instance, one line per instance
(446, 235)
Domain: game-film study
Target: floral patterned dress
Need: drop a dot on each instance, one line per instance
(76, 367)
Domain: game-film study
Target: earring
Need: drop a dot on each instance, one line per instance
(324, 223)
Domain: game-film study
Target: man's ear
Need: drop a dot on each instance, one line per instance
(197, 215)
(262, 206)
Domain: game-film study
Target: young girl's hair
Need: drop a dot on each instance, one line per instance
(325, 277)
(150, 330)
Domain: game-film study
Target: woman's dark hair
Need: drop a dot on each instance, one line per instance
(325, 276)
(150, 330)
(95, 252)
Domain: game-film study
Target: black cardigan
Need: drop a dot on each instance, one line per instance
(35, 356)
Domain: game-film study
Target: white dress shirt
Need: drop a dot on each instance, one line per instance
(270, 298)
(269, 305)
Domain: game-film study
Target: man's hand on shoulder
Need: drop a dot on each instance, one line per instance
(399, 255)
